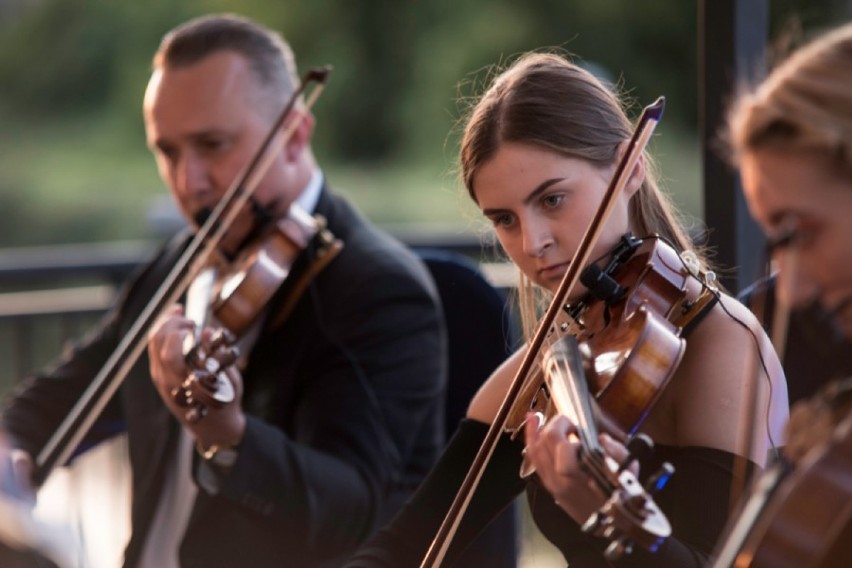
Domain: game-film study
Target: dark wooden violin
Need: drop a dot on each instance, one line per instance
(201, 252)
(234, 293)
(246, 284)
(799, 513)
(629, 328)
(637, 315)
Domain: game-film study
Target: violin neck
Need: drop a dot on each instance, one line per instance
(569, 390)
(199, 298)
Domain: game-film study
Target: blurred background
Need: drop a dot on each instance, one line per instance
(74, 168)
(73, 162)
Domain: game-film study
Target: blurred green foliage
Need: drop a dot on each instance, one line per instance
(73, 163)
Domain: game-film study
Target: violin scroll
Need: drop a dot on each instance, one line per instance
(207, 355)
(208, 385)
(630, 516)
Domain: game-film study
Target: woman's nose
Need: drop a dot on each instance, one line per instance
(537, 240)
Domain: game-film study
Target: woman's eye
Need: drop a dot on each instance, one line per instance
(797, 238)
(804, 236)
(552, 200)
(167, 152)
(502, 220)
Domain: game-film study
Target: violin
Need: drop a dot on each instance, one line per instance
(247, 284)
(629, 328)
(619, 346)
(200, 253)
(235, 293)
(632, 316)
(629, 515)
(800, 511)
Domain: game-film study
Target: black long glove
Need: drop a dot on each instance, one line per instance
(406, 539)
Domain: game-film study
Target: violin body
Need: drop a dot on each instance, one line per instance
(630, 365)
(631, 346)
(247, 284)
(806, 519)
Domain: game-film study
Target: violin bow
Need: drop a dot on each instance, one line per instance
(749, 510)
(646, 124)
(85, 411)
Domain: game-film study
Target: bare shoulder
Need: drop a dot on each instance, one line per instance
(729, 372)
(728, 337)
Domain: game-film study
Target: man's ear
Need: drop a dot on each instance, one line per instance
(301, 137)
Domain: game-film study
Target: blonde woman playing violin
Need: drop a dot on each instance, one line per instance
(791, 137)
(537, 154)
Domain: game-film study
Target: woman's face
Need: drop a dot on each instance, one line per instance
(541, 203)
(801, 192)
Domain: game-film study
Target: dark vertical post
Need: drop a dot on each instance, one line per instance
(732, 41)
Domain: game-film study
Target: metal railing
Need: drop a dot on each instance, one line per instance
(50, 295)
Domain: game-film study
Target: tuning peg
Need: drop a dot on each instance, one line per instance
(220, 338)
(618, 548)
(659, 479)
(639, 448)
(229, 356)
(195, 413)
(593, 524)
(181, 396)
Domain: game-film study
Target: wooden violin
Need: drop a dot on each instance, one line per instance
(629, 516)
(624, 346)
(629, 336)
(235, 293)
(246, 285)
(799, 513)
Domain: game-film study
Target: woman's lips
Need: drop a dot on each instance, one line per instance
(553, 271)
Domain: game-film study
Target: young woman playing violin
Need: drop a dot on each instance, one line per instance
(537, 154)
(791, 137)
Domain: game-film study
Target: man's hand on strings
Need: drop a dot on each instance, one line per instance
(167, 345)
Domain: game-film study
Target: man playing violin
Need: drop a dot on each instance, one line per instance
(337, 407)
(791, 137)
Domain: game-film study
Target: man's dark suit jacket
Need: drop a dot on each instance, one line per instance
(344, 404)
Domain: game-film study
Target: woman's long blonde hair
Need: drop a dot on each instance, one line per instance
(805, 104)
